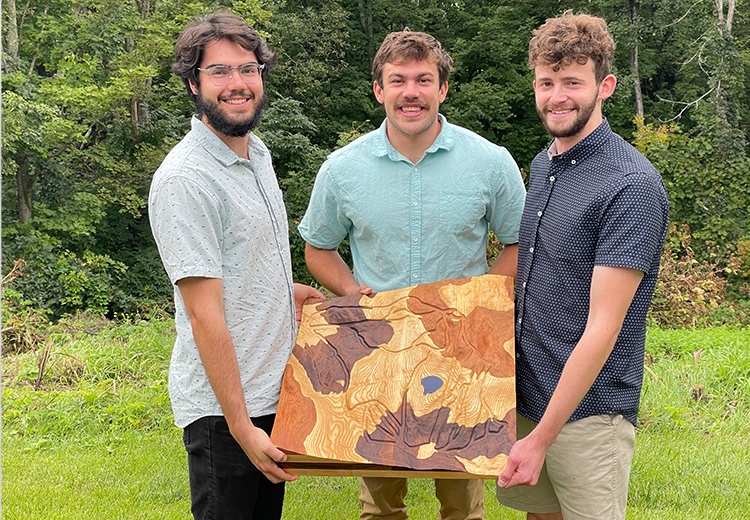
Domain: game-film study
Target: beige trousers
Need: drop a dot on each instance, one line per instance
(383, 498)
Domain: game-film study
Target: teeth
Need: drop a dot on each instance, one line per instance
(235, 101)
(411, 109)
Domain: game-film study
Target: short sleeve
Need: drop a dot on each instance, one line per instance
(186, 223)
(506, 205)
(325, 223)
(634, 219)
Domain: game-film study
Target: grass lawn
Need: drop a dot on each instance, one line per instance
(689, 477)
(95, 441)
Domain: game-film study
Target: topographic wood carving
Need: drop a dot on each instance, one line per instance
(402, 382)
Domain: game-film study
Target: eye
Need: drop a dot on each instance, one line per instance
(219, 72)
(249, 70)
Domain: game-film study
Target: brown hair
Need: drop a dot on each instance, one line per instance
(192, 42)
(573, 38)
(405, 46)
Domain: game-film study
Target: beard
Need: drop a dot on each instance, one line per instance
(584, 114)
(219, 122)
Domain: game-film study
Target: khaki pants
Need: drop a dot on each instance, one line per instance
(383, 498)
(586, 471)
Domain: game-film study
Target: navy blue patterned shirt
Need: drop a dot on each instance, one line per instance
(600, 203)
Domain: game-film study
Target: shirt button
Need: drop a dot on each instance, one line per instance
(552, 179)
(519, 321)
(416, 169)
(524, 285)
(539, 214)
(416, 239)
(573, 161)
(531, 250)
(415, 275)
(415, 203)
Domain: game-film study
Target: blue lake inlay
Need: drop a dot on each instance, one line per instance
(431, 384)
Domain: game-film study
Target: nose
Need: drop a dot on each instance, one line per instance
(410, 89)
(235, 81)
(558, 94)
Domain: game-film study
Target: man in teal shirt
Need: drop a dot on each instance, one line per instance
(417, 198)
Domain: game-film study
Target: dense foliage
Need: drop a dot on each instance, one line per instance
(90, 108)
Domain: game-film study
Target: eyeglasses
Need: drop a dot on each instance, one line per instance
(220, 75)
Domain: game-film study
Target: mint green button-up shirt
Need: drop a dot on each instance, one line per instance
(415, 223)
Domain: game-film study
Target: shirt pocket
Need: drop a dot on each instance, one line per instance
(460, 211)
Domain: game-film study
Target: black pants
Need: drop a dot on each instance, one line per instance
(224, 484)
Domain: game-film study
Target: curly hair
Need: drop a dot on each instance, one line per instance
(573, 38)
(192, 42)
(405, 46)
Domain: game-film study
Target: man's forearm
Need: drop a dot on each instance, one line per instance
(327, 266)
(204, 303)
(205, 306)
(580, 372)
(506, 262)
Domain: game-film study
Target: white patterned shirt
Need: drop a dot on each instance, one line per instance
(215, 215)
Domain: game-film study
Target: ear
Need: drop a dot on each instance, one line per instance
(193, 87)
(607, 87)
(378, 90)
(443, 91)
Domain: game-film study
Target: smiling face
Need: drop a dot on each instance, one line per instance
(569, 101)
(411, 94)
(232, 109)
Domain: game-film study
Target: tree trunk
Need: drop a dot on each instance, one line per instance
(365, 20)
(11, 41)
(139, 111)
(725, 22)
(634, 60)
(24, 185)
(730, 17)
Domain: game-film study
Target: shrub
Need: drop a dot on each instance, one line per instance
(688, 291)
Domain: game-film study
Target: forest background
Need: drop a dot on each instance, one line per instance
(90, 109)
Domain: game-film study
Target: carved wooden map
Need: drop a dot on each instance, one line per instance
(421, 378)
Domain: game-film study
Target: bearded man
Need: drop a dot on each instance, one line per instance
(590, 242)
(219, 221)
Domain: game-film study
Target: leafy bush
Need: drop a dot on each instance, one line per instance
(688, 291)
(738, 269)
(706, 178)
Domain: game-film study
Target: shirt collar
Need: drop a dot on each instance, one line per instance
(213, 144)
(583, 148)
(445, 140)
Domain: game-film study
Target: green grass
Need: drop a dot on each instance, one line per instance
(96, 441)
(690, 475)
(135, 476)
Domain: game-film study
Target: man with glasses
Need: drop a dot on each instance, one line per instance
(219, 221)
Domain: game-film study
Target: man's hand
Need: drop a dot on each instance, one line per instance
(303, 293)
(524, 463)
(262, 453)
